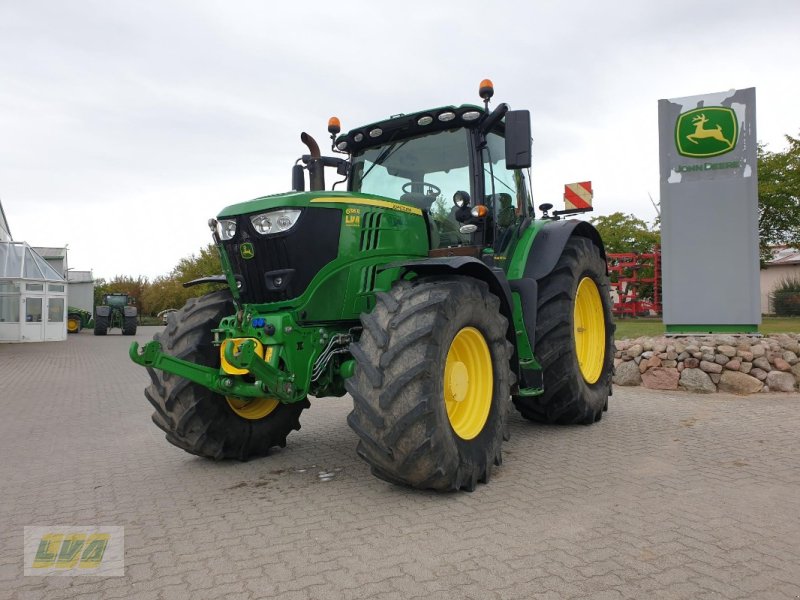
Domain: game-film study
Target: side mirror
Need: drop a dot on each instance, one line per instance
(298, 179)
(518, 139)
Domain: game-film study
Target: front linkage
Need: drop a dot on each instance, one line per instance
(255, 350)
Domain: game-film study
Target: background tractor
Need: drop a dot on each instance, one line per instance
(427, 290)
(78, 319)
(117, 310)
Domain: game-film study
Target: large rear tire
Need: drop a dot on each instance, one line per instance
(431, 387)
(100, 325)
(574, 339)
(193, 417)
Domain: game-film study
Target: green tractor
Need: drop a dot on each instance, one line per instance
(117, 310)
(427, 290)
(78, 319)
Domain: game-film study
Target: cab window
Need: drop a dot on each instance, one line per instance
(506, 191)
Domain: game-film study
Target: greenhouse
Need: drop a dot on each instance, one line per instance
(33, 296)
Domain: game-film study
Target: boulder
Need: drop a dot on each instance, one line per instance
(697, 380)
(721, 359)
(736, 382)
(715, 377)
(635, 350)
(733, 364)
(728, 351)
(691, 363)
(745, 355)
(710, 367)
(660, 378)
(796, 370)
(779, 381)
(745, 367)
(781, 364)
(759, 374)
(790, 357)
(762, 363)
(627, 373)
(758, 350)
(669, 364)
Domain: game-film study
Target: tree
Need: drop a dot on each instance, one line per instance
(778, 197)
(625, 233)
(168, 292)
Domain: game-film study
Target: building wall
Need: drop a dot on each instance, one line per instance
(81, 295)
(771, 277)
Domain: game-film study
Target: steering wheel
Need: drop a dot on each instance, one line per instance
(432, 190)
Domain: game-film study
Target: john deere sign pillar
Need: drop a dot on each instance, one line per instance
(709, 213)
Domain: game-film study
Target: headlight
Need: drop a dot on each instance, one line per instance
(275, 221)
(226, 229)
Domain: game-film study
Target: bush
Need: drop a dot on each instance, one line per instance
(786, 297)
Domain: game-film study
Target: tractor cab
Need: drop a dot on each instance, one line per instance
(464, 167)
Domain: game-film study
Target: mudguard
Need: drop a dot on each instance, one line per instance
(103, 311)
(542, 257)
(129, 311)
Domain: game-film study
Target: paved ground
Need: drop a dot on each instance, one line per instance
(670, 496)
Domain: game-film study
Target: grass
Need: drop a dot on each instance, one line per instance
(653, 327)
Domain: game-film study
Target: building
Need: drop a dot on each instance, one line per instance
(785, 264)
(33, 296)
(80, 284)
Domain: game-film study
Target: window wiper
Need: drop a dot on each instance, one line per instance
(383, 156)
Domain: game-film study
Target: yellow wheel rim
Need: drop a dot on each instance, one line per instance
(468, 383)
(590, 330)
(254, 409)
(73, 325)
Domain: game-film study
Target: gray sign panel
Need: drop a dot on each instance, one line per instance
(709, 212)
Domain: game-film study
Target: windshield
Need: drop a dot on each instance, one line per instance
(424, 171)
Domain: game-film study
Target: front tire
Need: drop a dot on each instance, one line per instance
(100, 325)
(431, 387)
(129, 325)
(574, 339)
(196, 419)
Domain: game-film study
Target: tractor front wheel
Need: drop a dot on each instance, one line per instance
(431, 387)
(73, 323)
(100, 325)
(574, 339)
(129, 325)
(196, 419)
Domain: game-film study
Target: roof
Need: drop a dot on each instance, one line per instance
(49, 252)
(19, 261)
(80, 276)
(784, 255)
(4, 224)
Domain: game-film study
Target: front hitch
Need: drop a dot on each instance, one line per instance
(270, 381)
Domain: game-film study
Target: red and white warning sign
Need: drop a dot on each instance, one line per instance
(578, 195)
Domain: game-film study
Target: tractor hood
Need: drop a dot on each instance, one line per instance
(304, 199)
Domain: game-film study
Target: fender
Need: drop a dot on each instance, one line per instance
(103, 311)
(546, 249)
(549, 244)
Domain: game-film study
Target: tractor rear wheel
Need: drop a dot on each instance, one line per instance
(431, 387)
(129, 326)
(574, 339)
(100, 325)
(196, 419)
(73, 323)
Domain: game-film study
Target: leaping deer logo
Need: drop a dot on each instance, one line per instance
(700, 133)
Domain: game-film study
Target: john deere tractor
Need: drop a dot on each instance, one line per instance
(117, 310)
(425, 288)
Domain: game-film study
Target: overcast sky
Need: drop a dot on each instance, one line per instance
(125, 125)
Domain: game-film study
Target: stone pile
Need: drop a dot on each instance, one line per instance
(724, 363)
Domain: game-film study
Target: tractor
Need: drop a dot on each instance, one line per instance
(77, 319)
(426, 289)
(117, 310)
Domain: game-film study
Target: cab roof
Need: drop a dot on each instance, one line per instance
(410, 125)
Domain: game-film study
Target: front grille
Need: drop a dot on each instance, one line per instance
(283, 264)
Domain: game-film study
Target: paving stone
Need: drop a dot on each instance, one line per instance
(671, 495)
